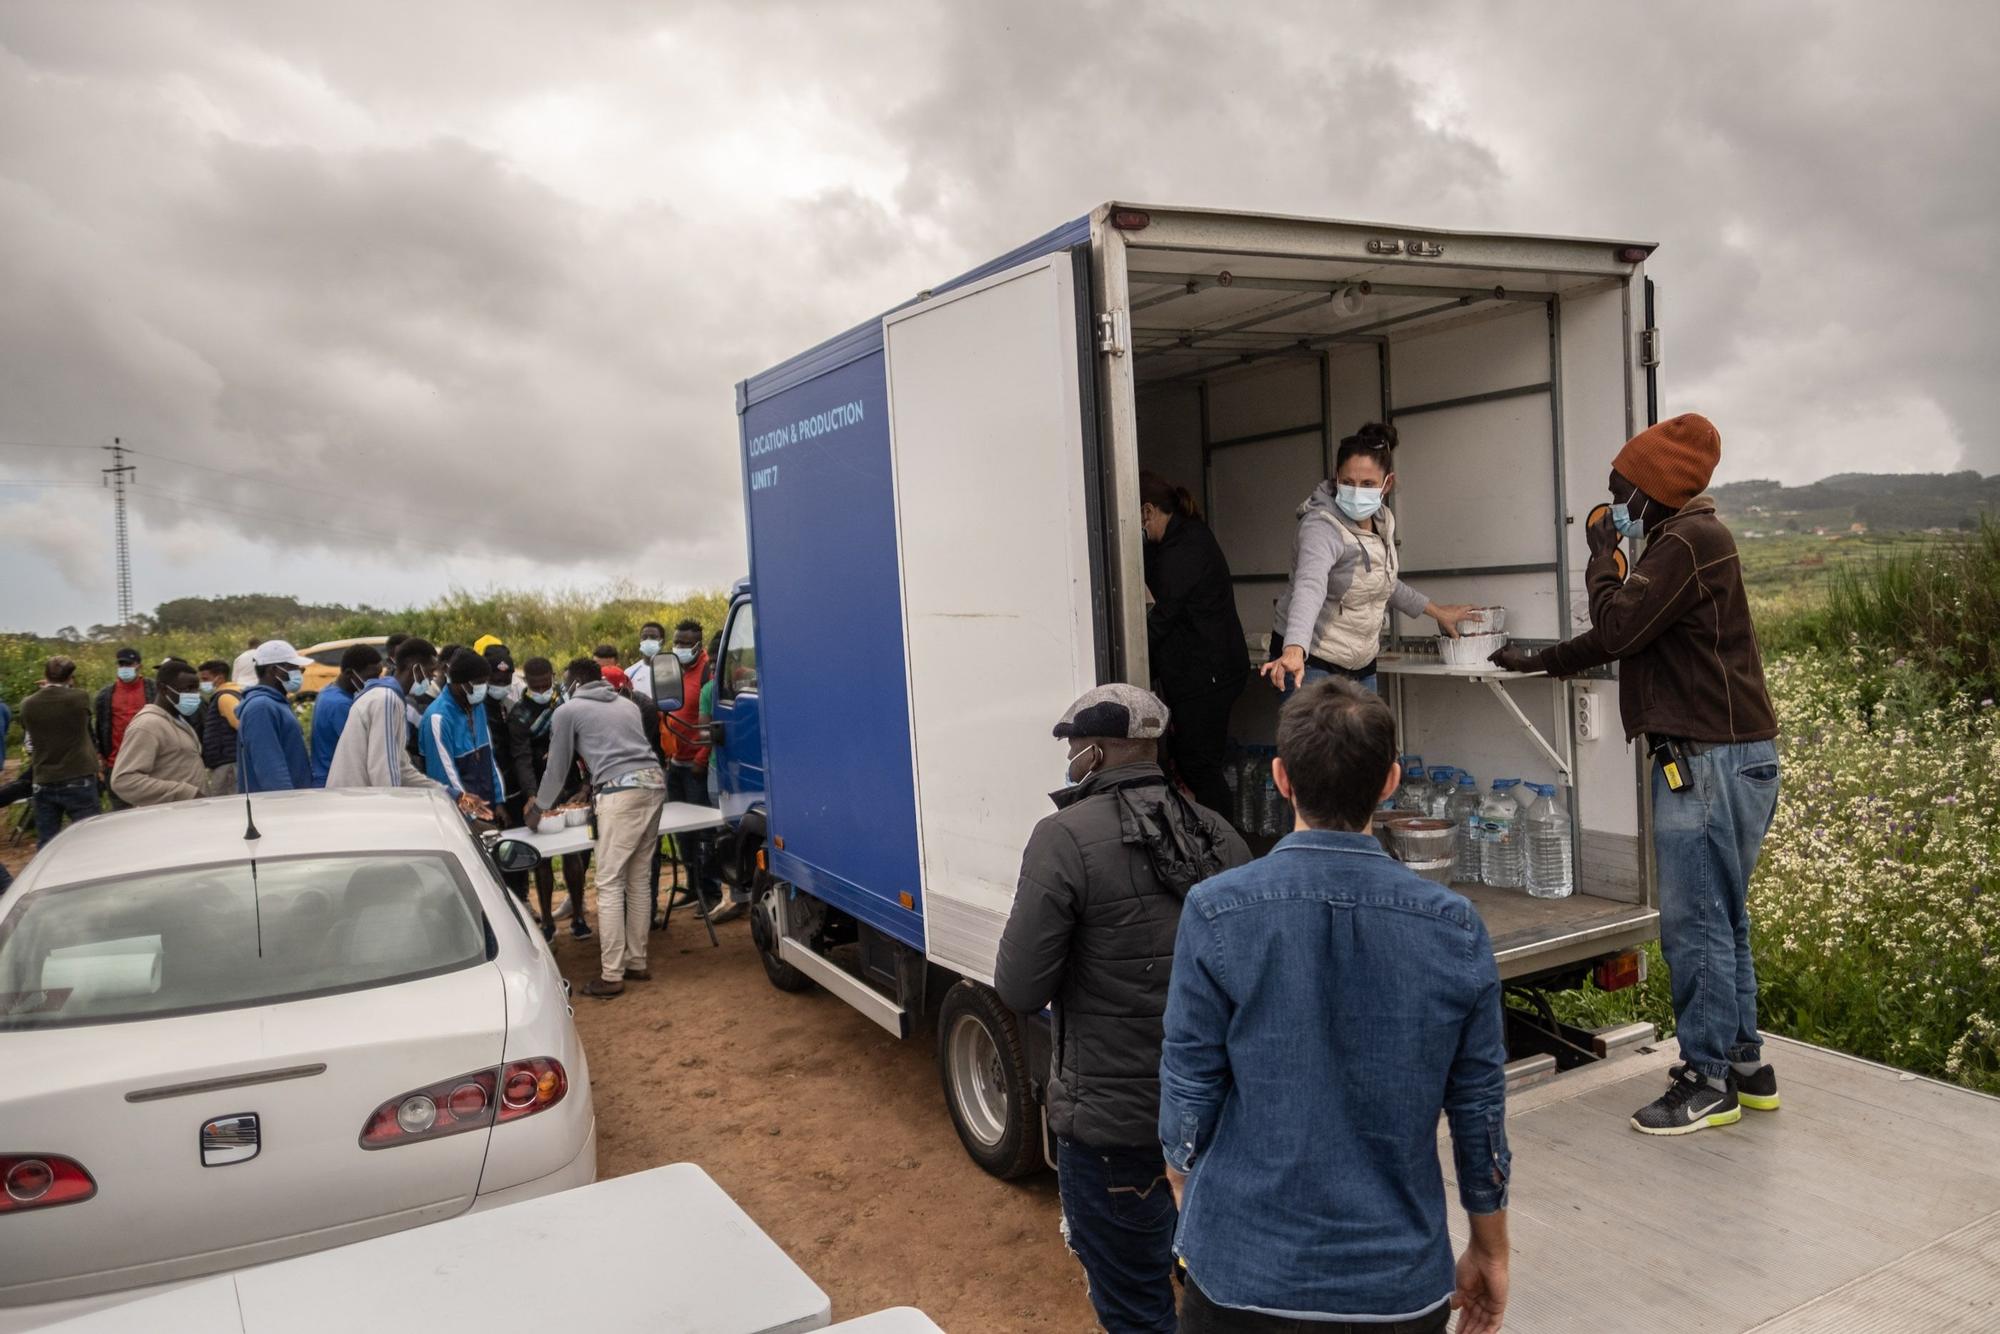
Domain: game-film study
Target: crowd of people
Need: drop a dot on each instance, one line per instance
(508, 745)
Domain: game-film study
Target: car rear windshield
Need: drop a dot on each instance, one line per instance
(219, 937)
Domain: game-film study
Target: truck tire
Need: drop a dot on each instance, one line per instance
(986, 1084)
(764, 931)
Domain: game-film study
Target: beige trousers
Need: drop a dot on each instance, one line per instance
(628, 822)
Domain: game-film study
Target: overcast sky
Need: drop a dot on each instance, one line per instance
(459, 290)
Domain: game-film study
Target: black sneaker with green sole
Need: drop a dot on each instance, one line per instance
(1759, 1092)
(1690, 1103)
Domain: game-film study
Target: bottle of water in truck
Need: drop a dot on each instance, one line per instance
(1413, 796)
(1550, 873)
(1501, 863)
(1271, 807)
(1463, 811)
(1444, 786)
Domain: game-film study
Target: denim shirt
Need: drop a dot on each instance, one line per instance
(1326, 1005)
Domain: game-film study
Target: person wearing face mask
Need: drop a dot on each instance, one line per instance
(373, 750)
(1344, 564)
(216, 723)
(652, 643)
(1194, 636)
(160, 760)
(529, 723)
(687, 763)
(1691, 683)
(270, 748)
(117, 705)
(1092, 933)
(458, 749)
(359, 665)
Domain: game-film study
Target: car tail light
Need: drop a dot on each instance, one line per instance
(41, 1181)
(469, 1102)
(449, 1107)
(527, 1087)
(1621, 971)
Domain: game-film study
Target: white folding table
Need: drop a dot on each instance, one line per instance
(676, 817)
(895, 1320)
(659, 1250)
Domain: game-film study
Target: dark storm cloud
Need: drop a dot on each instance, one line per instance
(502, 263)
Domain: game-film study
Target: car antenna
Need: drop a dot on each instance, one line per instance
(250, 833)
(250, 820)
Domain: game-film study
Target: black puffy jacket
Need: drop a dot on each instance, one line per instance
(1092, 930)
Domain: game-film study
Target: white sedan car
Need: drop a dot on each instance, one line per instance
(222, 1050)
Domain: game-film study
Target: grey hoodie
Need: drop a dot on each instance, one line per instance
(603, 729)
(1324, 561)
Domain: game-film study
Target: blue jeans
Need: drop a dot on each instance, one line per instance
(1705, 842)
(76, 799)
(1119, 1218)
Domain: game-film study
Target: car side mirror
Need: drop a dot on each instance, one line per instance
(512, 854)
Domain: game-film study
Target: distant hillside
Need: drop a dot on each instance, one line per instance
(1885, 502)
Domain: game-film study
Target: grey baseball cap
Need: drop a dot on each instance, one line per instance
(1115, 712)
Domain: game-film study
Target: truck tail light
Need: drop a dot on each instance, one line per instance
(1621, 971)
(1633, 254)
(527, 1087)
(1131, 219)
(42, 1181)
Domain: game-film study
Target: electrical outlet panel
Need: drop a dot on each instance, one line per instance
(1586, 715)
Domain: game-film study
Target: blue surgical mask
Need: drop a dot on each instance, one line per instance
(1627, 526)
(685, 654)
(1069, 780)
(207, 688)
(476, 694)
(541, 696)
(423, 688)
(649, 647)
(187, 704)
(1357, 502)
(128, 673)
(295, 682)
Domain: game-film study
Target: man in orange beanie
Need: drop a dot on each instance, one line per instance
(1691, 683)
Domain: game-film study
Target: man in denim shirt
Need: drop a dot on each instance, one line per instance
(1326, 1005)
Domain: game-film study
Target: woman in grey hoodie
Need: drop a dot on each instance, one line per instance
(1344, 572)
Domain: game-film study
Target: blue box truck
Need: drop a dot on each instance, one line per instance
(945, 550)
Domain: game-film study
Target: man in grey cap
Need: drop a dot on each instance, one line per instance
(1092, 933)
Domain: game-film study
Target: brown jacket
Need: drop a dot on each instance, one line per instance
(159, 760)
(1681, 628)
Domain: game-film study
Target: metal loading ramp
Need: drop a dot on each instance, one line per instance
(1871, 1202)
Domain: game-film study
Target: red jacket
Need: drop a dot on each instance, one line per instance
(676, 736)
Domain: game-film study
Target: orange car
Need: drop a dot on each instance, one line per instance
(325, 659)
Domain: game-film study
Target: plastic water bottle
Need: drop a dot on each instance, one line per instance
(1463, 811)
(1501, 863)
(1444, 786)
(1414, 794)
(1271, 807)
(1550, 871)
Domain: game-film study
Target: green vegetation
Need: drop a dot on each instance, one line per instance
(1876, 904)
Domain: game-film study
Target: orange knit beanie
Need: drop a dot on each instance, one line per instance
(1672, 461)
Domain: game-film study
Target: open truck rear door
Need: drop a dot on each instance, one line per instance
(995, 500)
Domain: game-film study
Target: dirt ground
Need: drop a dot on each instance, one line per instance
(829, 1132)
(832, 1135)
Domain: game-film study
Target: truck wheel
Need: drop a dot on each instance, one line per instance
(764, 931)
(986, 1083)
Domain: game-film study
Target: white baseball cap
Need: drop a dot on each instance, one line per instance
(275, 652)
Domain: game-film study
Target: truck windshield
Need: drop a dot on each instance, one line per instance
(220, 937)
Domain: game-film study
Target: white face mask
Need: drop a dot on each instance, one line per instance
(685, 654)
(541, 696)
(476, 694)
(649, 648)
(1357, 502)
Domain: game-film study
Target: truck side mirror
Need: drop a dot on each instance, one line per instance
(667, 695)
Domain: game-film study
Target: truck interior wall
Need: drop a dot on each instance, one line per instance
(1477, 485)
